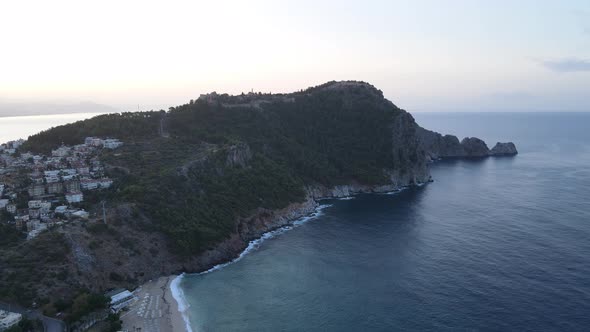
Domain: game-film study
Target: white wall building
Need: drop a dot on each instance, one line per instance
(120, 300)
(74, 197)
(9, 319)
(34, 204)
(112, 143)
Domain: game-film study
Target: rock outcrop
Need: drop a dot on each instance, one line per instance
(504, 149)
(475, 147)
(437, 146)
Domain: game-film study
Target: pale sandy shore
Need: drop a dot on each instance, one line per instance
(155, 310)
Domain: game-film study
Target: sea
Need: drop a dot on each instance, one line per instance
(498, 244)
(17, 127)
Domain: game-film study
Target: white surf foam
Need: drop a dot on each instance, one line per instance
(183, 305)
(255, 244)
(177, 292)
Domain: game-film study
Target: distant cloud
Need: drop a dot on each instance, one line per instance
(567, 65)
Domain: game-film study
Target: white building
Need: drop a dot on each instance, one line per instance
(3, 203)
(34, 204)
(81, 214)
(9, 319)
(89, 184)
(61, 209)
(68, 171)
(105, 182)
(112, 143)
(45, 207)
(52, 179)
(51, 173)
(120, 299)
(93, 141)
(74, 197)
(11, 208)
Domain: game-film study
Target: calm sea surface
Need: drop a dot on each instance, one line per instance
(12, 128)
(501, 244)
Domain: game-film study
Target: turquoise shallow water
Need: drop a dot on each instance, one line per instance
(501, 244)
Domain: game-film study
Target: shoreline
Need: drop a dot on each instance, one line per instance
(155, 308)
(177, 316)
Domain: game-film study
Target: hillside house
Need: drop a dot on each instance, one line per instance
(11, 208)
(9, 319)
(74, 197)
(34, 204)
(105, 183)
(72, 186)
(36, 190)
(112, 143)
(89, 184)
(55, 188)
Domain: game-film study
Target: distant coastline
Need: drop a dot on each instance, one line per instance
(17, 127)
(17, 109)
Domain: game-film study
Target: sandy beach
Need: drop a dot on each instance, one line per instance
(155, 309)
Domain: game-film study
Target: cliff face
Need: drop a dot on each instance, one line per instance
(409, 157)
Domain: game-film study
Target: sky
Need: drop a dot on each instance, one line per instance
(424, 55)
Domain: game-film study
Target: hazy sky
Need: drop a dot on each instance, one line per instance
(424, 55)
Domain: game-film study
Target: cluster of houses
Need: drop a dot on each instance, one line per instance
(38, 191)
(9, 319)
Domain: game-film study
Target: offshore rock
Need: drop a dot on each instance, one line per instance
(504, 149)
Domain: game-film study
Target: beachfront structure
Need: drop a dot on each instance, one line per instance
(9, 319)
(120, 299)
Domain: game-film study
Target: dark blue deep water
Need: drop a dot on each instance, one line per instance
(501, 244)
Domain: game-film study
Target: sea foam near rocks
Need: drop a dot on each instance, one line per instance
(255, 244)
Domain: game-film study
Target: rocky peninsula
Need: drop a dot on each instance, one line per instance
(195, 184)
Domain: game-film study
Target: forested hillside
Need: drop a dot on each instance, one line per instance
(189, 183)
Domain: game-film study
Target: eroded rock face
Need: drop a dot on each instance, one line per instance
(504, 149)
(238, 155)
(438, 146)
(475, 147)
